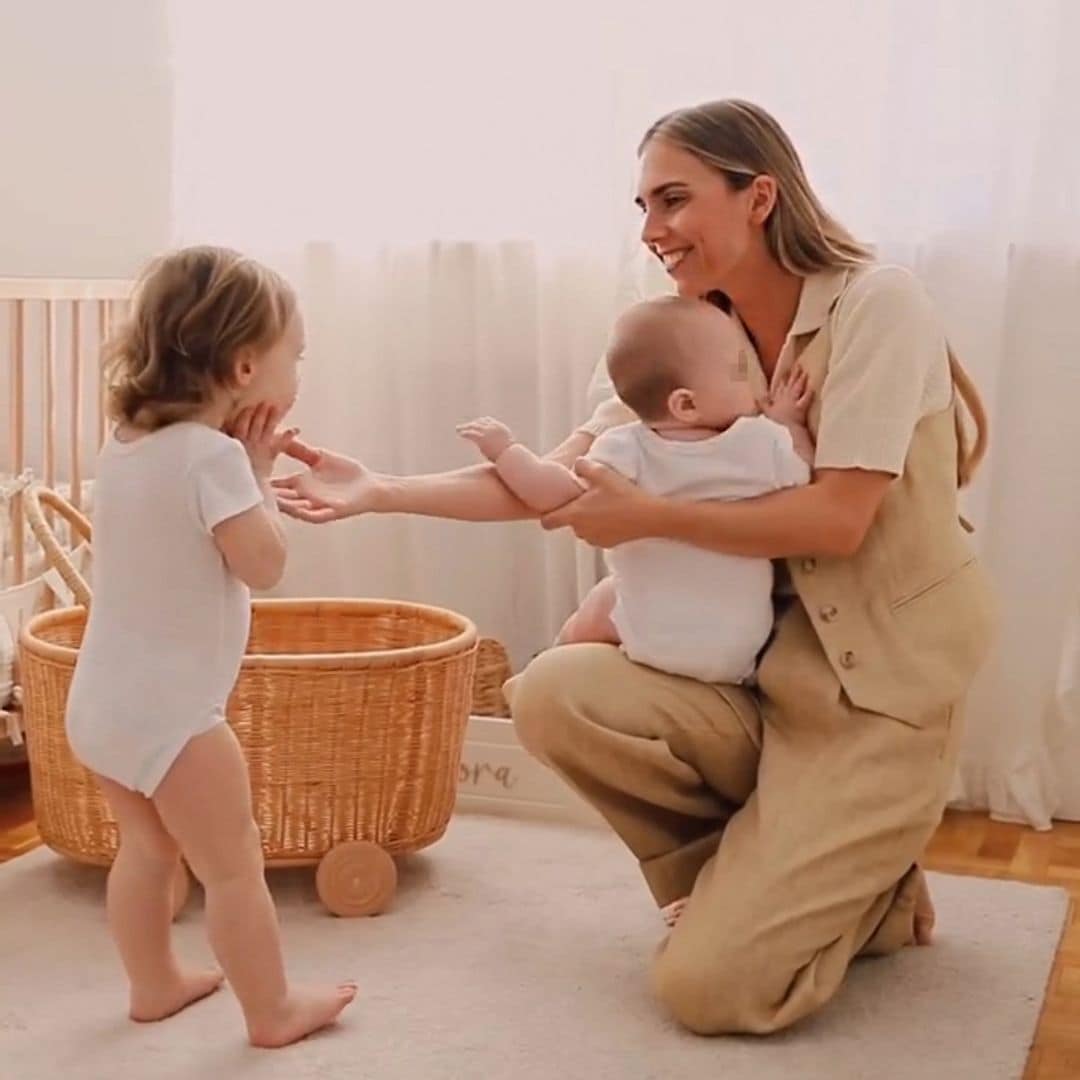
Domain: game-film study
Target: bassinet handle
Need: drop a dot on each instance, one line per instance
(34, 499)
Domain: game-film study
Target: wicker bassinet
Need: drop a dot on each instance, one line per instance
(351, 713)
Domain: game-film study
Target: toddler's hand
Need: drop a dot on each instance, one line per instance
(257, 429)
(490, 436)
(788, 403)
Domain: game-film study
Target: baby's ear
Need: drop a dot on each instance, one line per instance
(681, 405)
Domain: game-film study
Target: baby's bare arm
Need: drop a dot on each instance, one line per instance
(788, 405)
(541, 484)
(803, 442)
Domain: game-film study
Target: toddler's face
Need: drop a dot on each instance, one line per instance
(275, 377)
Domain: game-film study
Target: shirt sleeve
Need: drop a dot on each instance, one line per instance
(618, 449)
(610, 413)
(608, 409)
(600, 385)
(224, 485)
(887, 344)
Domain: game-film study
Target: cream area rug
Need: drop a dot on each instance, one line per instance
(515, 951)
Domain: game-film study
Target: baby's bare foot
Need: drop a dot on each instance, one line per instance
(306, 1010)
(158, 1002)
(671, 912)
(925, 915)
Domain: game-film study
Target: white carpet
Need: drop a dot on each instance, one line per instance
(515, 951)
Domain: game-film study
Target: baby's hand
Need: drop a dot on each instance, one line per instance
(788, 403)
(490, 436)
(257, 429)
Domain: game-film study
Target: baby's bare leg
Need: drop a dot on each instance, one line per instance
(205, 802)
(592, 620)
(140, 909)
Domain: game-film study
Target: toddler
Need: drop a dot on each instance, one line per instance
(184, 523)
(700, 435)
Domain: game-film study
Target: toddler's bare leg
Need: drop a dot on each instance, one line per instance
(205, 803)
(140, 909)
(592, 620)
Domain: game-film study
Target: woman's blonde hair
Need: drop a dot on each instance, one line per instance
(741, 141)
(191, 311)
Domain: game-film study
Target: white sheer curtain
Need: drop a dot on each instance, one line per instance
(449, 185)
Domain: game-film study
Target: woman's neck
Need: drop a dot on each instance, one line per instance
(766, 297)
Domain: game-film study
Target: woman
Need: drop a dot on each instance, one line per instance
(778, 827)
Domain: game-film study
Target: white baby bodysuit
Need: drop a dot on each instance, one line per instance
(679, 608)
(169, 622)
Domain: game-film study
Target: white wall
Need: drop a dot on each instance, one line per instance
(85, 138)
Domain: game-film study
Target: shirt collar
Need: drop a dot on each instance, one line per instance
(819, 294)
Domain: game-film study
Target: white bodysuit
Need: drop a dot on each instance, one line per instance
(169, 623)
(679, 608)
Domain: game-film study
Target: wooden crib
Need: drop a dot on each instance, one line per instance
(416, 694)
(51, 332)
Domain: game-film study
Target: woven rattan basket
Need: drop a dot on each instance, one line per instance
(352, 715)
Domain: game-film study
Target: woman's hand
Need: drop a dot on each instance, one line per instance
(333, 487)
(611, 512)
(257, 429)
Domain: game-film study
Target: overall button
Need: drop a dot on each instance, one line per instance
(847, 659)
(828, 612)
(809, 565)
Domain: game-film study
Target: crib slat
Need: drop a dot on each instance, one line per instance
(18, 435)
(104, 330)
(39, 432)
(49, 395)
(76, 404)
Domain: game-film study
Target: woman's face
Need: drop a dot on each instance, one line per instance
(695, 223)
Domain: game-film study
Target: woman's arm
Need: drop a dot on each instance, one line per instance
(572, 448)
(337, 487)
(471, 494)
(828, 517)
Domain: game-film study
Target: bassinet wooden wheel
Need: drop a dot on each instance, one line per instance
(356, 878)
(181, 889)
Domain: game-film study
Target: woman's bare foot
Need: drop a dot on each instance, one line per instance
(160, 1002)
(306, 1010)
(924, 913)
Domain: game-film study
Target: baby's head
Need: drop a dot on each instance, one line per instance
(677, 363)
(210, 332)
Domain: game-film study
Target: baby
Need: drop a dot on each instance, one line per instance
(184, 523)
(700, 435)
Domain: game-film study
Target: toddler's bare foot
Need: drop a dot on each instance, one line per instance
(159, 1002)
(306, 1010)
(924, 914)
